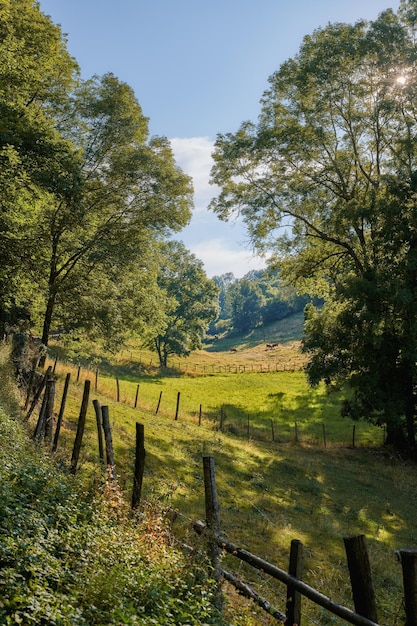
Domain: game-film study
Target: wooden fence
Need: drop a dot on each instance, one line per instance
(358, 561)
(222, 421)
(357, 556)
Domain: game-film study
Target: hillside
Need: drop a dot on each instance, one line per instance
(284, 331)
(270, 491)
(72, 554)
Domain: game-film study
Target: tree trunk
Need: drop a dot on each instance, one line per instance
(395, 435)
(159, 352)
(47, 320)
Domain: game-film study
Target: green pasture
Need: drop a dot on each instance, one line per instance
(270, 491)
(269, 406)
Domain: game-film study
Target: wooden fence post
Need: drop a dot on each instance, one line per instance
(78, 373)
(99, 422)
(38, 393)
(136, 397)
(324, 435)
(109, 441)
(408, 558)
(199, 415)
(213, 523)
(353, 435)
(61, 412)
(49, 409)
(293, 605)
(159, 402)
(117, 389)
(139, 465)
(178, 405)
(361, 576)
(39, 432)
(80, 428)
(96, 380)
(31, 379)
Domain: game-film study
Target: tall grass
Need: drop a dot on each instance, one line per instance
(270, 491)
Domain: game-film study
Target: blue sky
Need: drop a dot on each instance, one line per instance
(198, 69)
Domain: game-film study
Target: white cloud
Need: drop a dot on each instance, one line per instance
(193, 155)
(219, 258)
(222, 246)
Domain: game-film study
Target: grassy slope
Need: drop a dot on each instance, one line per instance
(70, 552)
(270, 492)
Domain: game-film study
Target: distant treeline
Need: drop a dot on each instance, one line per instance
(256, 299)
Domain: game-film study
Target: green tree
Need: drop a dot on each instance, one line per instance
(36, 75)
(224, 282)
(246, 302)
(105, 308)
(327, 180)
(86, 194)
(190, 302)
(131, 194)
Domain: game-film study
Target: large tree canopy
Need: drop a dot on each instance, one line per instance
(86, 193)
(327, 180)
(36, 75)
(131, 193)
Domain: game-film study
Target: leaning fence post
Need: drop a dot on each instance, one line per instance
(39, 432)
(99, 422)
(293, 606)
(139, 465)
(80, 428)
(61, 412)
(109, 441)
(361, 576)
(159, 402)
(38, 393)
(49, 409)
(136, 396)
(213, 523)
(178, 405)
(408, 558)
(31, 379)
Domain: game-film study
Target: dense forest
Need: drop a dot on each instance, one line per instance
(257, 299)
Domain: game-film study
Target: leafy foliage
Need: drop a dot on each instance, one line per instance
(326, 181)
(258, 298)
(86, 193)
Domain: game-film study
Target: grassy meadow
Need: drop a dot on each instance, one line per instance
(277, 480)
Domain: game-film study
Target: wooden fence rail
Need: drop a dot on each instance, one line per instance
(279, 574)
(358, 562)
